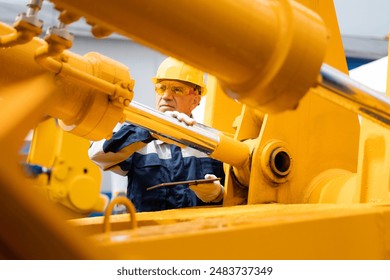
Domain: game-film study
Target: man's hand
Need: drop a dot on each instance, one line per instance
(209, 192)
(181, 117)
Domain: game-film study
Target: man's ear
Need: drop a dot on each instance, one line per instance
(197, 100)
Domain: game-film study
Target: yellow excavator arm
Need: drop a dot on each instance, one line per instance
(304, 179)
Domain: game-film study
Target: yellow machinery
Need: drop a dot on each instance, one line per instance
(304, 179)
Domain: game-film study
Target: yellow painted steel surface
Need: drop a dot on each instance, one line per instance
(31, 227)
(269, 231)
(73, 180)
(312, 187)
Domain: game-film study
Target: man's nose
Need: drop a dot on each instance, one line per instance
(167, 94)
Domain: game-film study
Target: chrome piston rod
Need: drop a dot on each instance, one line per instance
(354, 96)
(346, 92)
(198, 136)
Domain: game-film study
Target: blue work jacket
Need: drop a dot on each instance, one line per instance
(135, 153)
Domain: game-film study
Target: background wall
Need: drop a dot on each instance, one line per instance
(364, 26)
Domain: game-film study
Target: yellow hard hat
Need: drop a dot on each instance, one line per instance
(173, 69)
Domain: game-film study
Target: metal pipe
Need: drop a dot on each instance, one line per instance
(26, 26)
(44, 58)
(354, 96)
(34, 6)
(198, 136)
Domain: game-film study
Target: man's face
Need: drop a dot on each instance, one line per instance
(173, 95)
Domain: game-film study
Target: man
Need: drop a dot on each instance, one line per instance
(147, 161)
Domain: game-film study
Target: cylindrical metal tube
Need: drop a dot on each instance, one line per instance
(354, 96)
(78, 99)
(198, 136)
(256, 58)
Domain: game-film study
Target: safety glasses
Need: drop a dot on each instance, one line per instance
(179, 90)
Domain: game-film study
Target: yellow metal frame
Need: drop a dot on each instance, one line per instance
(322, 202)
(72, 179)
(298, 232)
